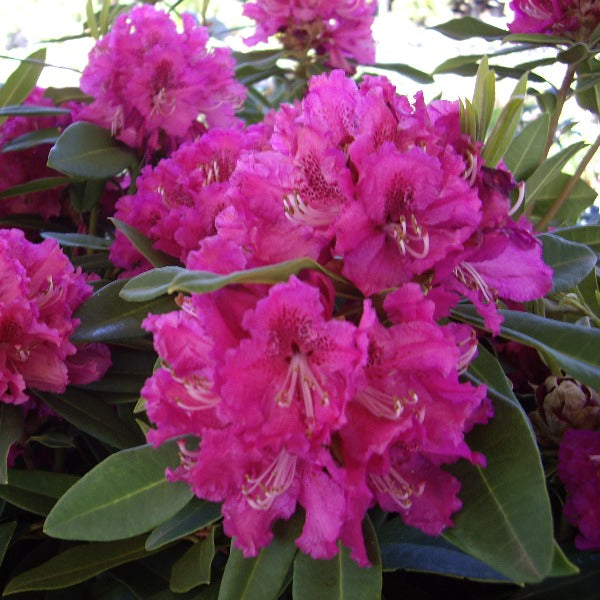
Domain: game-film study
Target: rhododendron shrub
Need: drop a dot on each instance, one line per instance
(155, 87)
(39, 292)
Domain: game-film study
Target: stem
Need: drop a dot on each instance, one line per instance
(543, 224)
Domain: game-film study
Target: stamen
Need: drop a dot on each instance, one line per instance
(519, 201)
(117, 121)
(470, 173)
(467, 348)
(188, 458)
(199, 390)
(534, 10)
(296, 209)
(380, 404)
(262, 490)
(469, 276)
(406, 240)
(397, 487)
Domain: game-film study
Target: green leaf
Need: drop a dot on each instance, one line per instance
(66, 94)
(570, 261)
(92, 22)
(53, 439)
(524, 152)
(32, 139)
(582, 234)
(86, 150)
(11, 430)
(78, 240)
(461, 65)
(123, 496)
(508, 499)
(156, 257)
(35, 185)
(157, 282)
(549, 171)
(106, 317)
(77, 564)
(23, 79)
(261, 578)
(195, 515)
(29, 110)
(6, 533)
(579, 199)
(404, 547)
(573, 54)
(193, 568)
(407, 71)
(587, 86)
(92, 415)
(536, 38)
(86, 194)
(504, 129)
(574, 347)
(468, 27)
(561, 565)
(483, 98)
(340, 578)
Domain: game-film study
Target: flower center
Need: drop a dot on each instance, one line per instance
(468, 275)
(397, 487)
(261, 491)
(199, 389)
(412, 239)
(385, 405)
(296, 210)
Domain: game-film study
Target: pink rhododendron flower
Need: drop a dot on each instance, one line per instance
(155, 87)
(339, 28)
(579, 470)
(21, 166)
(38, 294)
(575, 19)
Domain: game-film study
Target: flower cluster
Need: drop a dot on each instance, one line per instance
(155, 87)
(21, 166)
(39, 292)
(339, 399)
(575, 19)
(339, 28)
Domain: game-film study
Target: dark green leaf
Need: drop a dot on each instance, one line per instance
(524, 152)
(78, 240)
(261, 578)
(588, 85)
(404, 547)
(340, 578)
(35, 185)
(572, 54)
(570, 261)
(156, 257)
(76, 565)
(561, 565)
(86, 150)
(461, 65)
(86, 194)
(582, 234)
(106, 504)
(29, 501)
(53, 439)
(195, 515)
(66, 94)
(407, 71)
(574, 347)
(107, 317)
(90, 414)
(23, 79)
(579, 199)
(588, 288)
(11, 430)
(29, 110)
(193, 568)
(537, 38)
(6, 533)
(32, 139)
(468, 27)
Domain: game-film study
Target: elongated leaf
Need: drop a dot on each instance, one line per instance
(193, 568)
(11, 430)
(407, 71)
(570, 261)
(66, 94)
(6, 533)
(561, 565)
(574, 347)
(524, 152)
(261, 578)
(86, 150)
(29, 110)
(549, 170)
(90, 414)
(144, 245)
(92, 22)
(404, 547)
(483, 98)
(23, 79)
(468, 27)
(76, 565)
(536, 38)
(105, 504)
(35, 185)
(508, 499)
(339, 578)
(78, 240)
(106, 317)
(86, 194)
(32, 139)
(588, 85)
(579, 199)
(582, 234)
(53, 439)
(29, 501)
(195, 515)
(461, 65)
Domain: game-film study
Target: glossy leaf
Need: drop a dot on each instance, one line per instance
(32, 139)
(193, 568)
(6, 533)
(106, 317)
(22, 80)
(11, 430)
(340, 578)
(407, 71)
(261, 578)
(86, 150)
(582, 234)
(570, 262)
(574, 347)
(106, 503)
(523, 154)
(92, 415)
(507, 499)
(195, 515)
(579, 199)
(144, 245)
(76, 565)
(460, 65)
(468, 27)
(78, 240)
(35, 185)
(29, 110)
